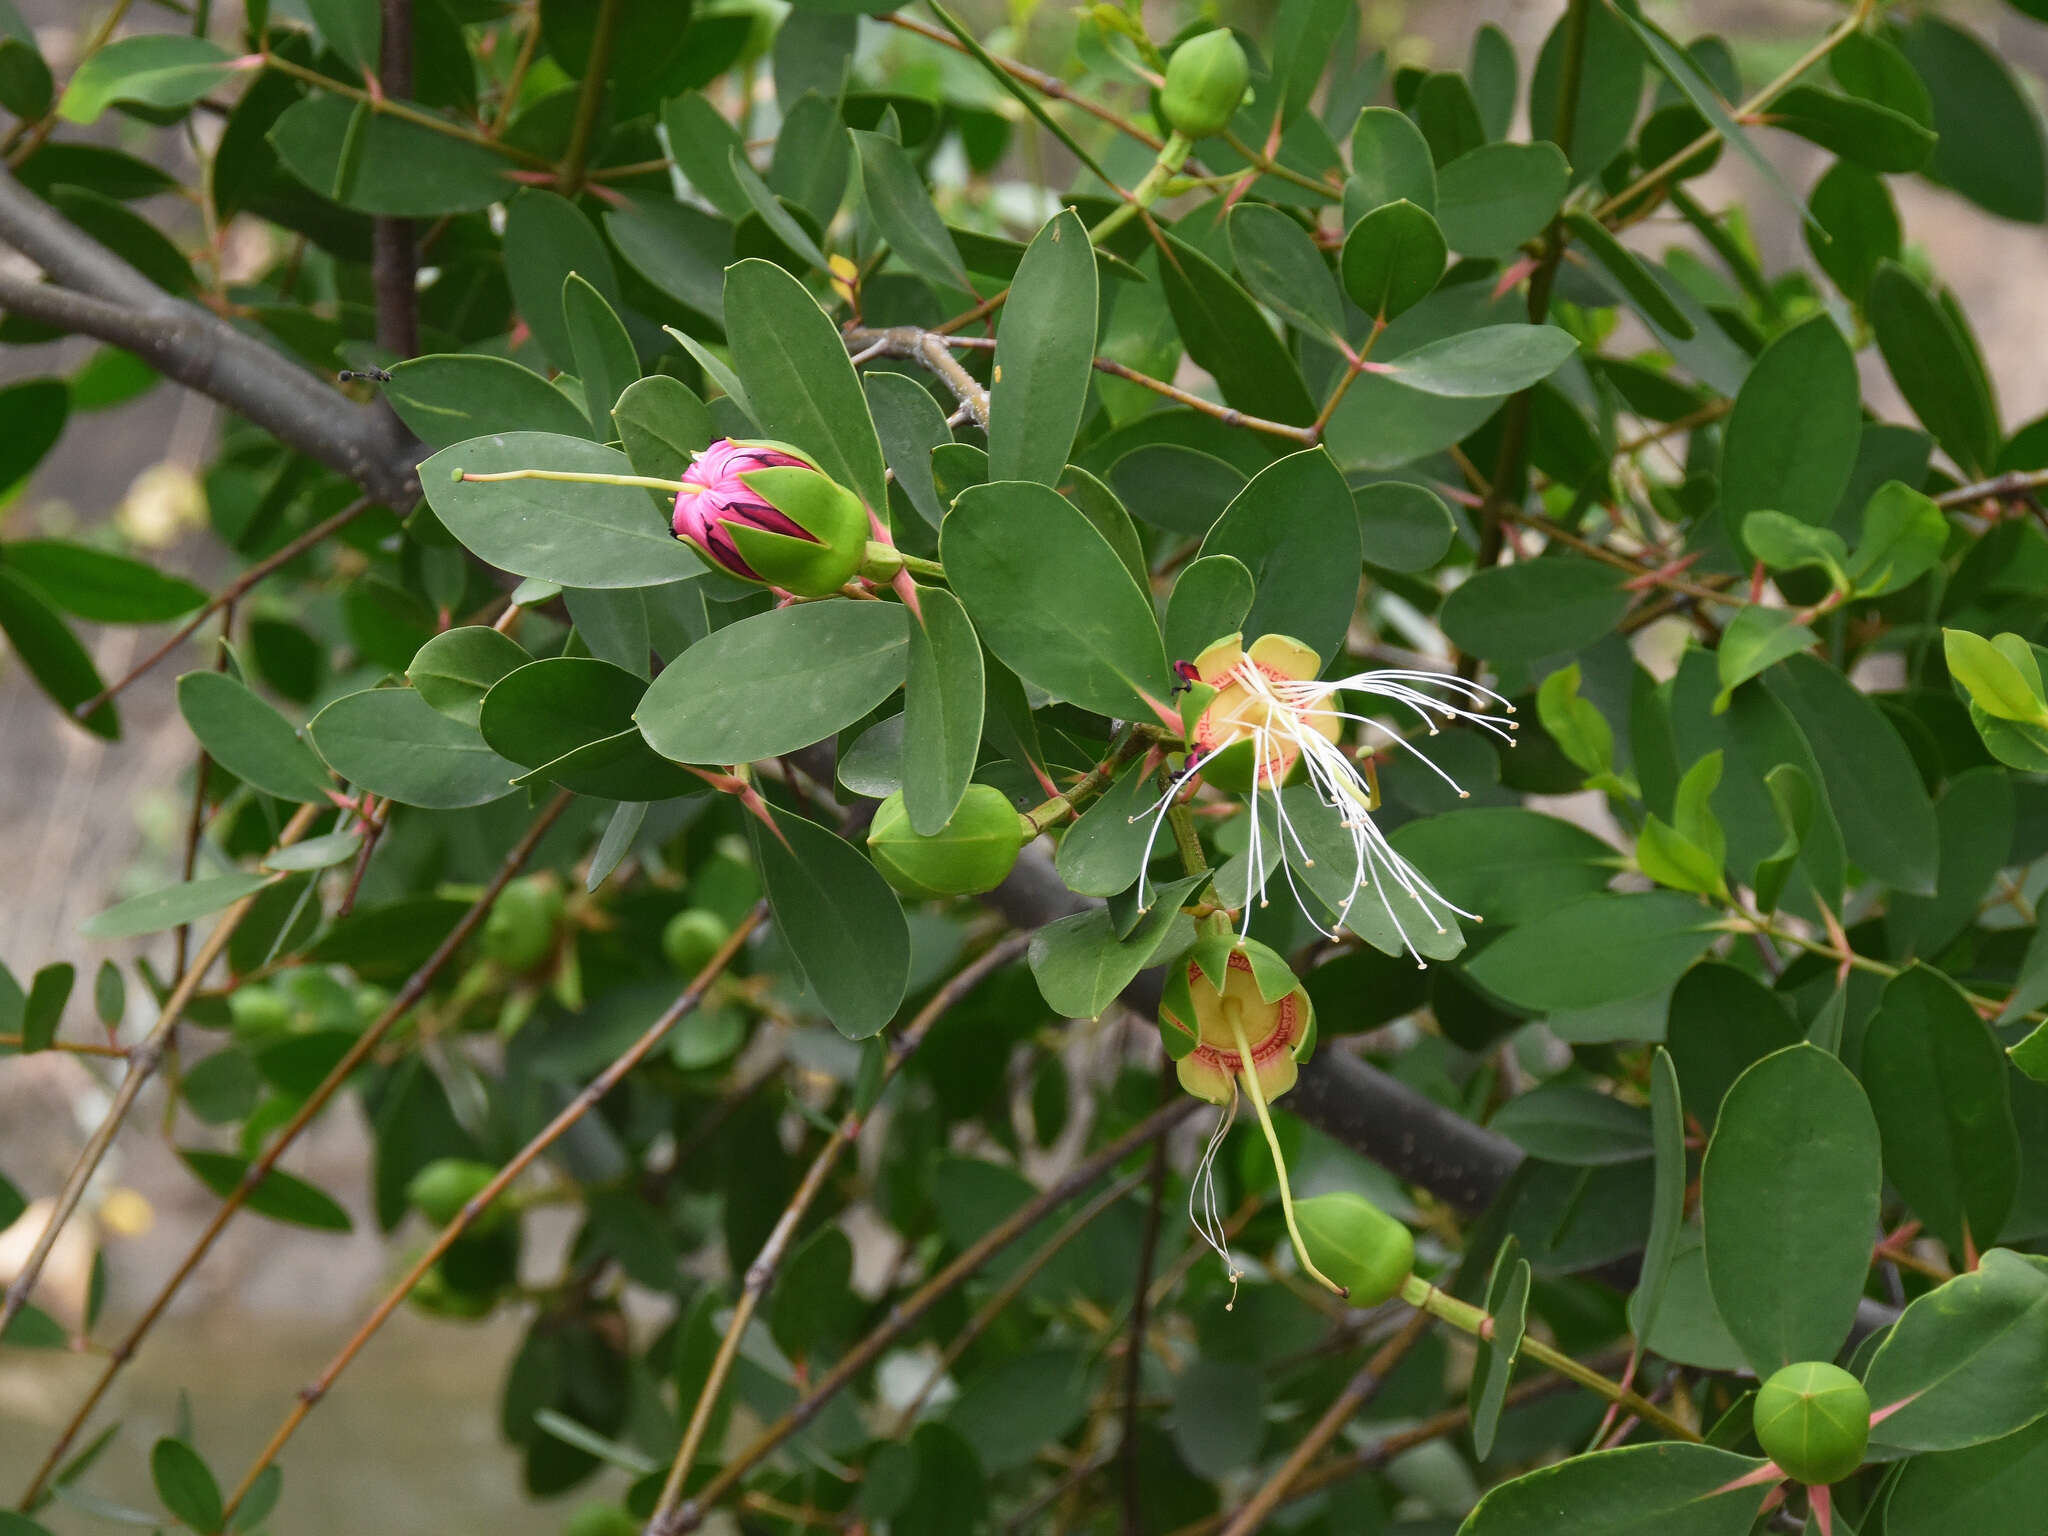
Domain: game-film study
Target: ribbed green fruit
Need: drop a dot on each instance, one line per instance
(1357, 1244)
(967, 856)
(1813, 1420)
(1205, 83)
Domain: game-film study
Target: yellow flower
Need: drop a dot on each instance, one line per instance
(1230, 1005)
(1248, 734)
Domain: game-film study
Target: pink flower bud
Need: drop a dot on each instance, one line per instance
(704, 516)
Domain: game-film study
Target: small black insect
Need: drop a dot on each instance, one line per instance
(367, 375)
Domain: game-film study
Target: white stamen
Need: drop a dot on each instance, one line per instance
(1202, 1192)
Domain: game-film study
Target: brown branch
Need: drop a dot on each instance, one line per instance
(1356, 1394)
(1230, 416)
(1129, 1486)
(228, 594)
(928, 350)
(596, 70)
(761, 1273)
(143, 1061)
(585, 1101)
(394, 253)
(690, 1515)
(407, 998)
(2018, 482)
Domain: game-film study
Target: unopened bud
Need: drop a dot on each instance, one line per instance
(1205, 84)
(764, 512)
(1359, 1245)
(970, 854)
(1813, 1420)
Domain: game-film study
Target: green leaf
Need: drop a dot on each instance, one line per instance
(800, 385)
(571, 533)
(1283, 269)
(1876, 794)
(250, 739)
(51, 653)
(392, 742)
(1490, 199)
(1595, 951)
(769, 209)
(1225, 334)
(95, 585)
(278, 1195)
(1577, 726)
(43, 1010)
(570, 720)
(1994, 1488)
(1493, 1364)
(1081, 964)
(1904, 534)
(1988, 142)
(1939, 1087)
(1386, 916)
(1545, 607)
(451, 397)
(185, 1484)
(1931, 364)
(168, 908)
(1074, 622)
(1099, 854)
(776, 682)
(942, 708)
(842, 923)
(1390, 160)
(1690, 854)
(1493, 360)
(1853, 228)
(1507, 863)
(1789, 1204)
(1786, 544)
(903, 211)
(454, 670)
(159, 70)
(604, 359)
(1755, 639)
(352, 28)
(1210, 599)
(1610, 89)
(1294, 529)
(401, 169)
(679, 248)
(26, 87)
(1045, 350)
(1182, 490)
(1573, 1124)
(323, 852)
(1670, 1489)
(1866, 132)
(1791, 440)
(701, 140)
(35, 411)
(1402, 527)
(1976, 817)
(662, 424)
(1392, 259)
(1642, 286)
(1967, 1362)
(910, 424)
(1667, 1212)
(1993, 679)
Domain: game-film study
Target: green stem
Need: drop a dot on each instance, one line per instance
(397, 109)
(1466, 1318)
(569, 180)
(917, 565)
(1252, 1087)
(1146, 193)
(673, 487)
(1126, 746)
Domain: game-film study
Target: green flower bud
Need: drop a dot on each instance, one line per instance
(1813, 1420)
(258, 1012)
(440, 1190)
(764, 512)
(1205, 84)
(520, 932)
(691, 938)
(436, 1297)
(967, 856)
(1361, 1247)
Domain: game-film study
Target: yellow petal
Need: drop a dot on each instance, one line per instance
(1201, 1076)
(1219, 660)
(1287, 656)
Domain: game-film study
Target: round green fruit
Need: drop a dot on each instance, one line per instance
(970, 854)
(435, 1296)
(1205, 84)
(520, 932)
(257, 1012)
(440, 1190)
(1813, 1420)
(1357, 1244)
(691, 938)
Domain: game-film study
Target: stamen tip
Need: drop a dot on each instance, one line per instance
(455, 476)
(1464, 794)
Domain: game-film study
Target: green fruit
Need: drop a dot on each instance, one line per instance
(1813, 1420)
(258, 1011)
(440, 1190)
(520, 932)
(436, 1296)
(970, 854)
(1357, 1244)
(1205, 84)
(601, 1520)
(691, 938)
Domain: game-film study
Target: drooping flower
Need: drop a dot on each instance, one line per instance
(1257, 718)
(764, 512)
(1232, 1005)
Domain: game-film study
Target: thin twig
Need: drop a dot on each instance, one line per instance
(928, 349)
(575, 1110)
(195, 821)
(1129, 1486)
(690, 1515)
(1229, 415)
(75, 1047)
(596, 70)
(143, 1061)
(1358, 1391)
(761, 1273)
(2018, 482)
(394, 256)
(228, 594)
(407, 998)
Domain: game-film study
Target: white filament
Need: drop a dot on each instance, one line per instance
(1202, 1208)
